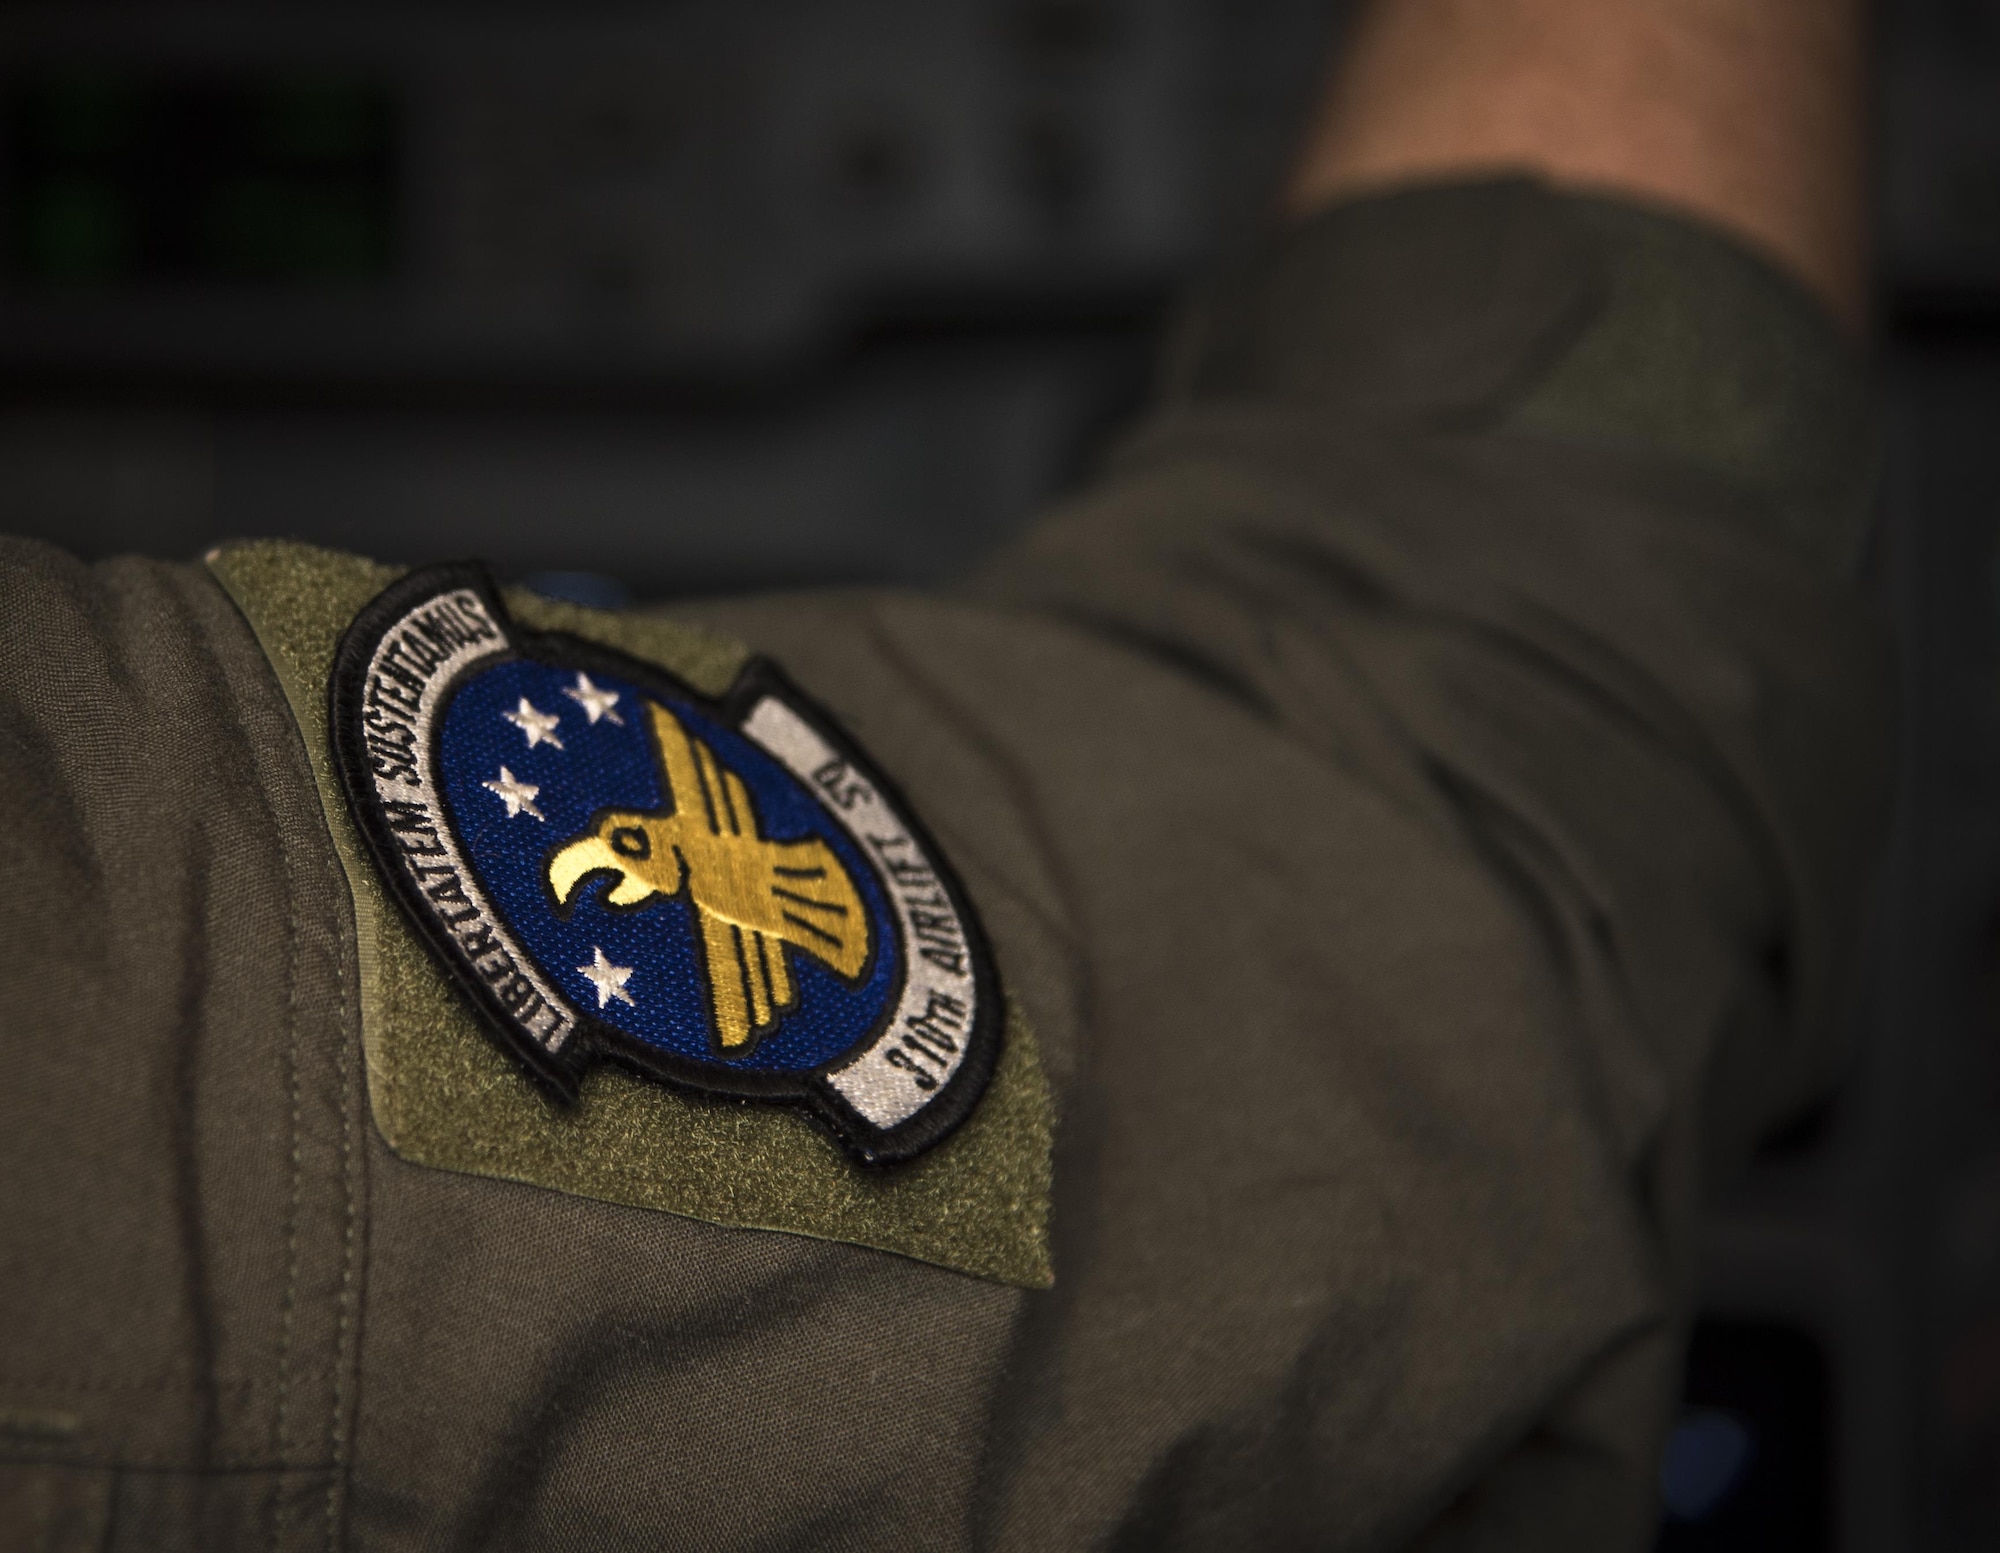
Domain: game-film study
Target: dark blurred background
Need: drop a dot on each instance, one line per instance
(654, 299)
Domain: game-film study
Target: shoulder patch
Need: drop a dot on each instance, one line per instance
(966, 1187)
(713, 893)
(719, 894)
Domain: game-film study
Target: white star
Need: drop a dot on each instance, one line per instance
(518, 796)
(540, 727)
(598, 703)
(608, 979)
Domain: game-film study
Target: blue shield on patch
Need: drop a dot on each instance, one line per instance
(658, 990)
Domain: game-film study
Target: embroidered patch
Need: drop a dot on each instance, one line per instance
(720, 894)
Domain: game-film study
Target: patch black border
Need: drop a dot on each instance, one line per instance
(560, 1075)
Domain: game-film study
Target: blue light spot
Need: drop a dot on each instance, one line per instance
(1707, 1455)
(592, 589)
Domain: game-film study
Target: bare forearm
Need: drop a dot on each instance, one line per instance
(1748, 113)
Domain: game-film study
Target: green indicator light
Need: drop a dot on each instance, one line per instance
(78, 229)
(320, 122)
(83, 116)
(201, 180)
(278, 227)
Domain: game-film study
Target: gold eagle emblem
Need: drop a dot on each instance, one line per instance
(752, 898)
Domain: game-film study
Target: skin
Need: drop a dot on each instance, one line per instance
(1746, 113)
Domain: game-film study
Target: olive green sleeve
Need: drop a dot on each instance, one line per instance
(1417, 793)
(1532, 521)
(1449, 737)
(1529, 509)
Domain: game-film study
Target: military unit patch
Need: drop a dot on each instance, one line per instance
(719, 894)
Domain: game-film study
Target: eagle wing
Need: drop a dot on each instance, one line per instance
(749, 984)
(695, 780)
(754, 897)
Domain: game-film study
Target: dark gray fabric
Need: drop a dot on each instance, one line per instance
(1425, 833)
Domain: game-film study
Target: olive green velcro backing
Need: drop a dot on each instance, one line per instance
(445, 1095)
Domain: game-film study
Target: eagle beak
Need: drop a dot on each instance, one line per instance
(585, 856)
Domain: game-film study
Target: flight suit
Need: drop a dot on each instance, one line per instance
(1418, 794)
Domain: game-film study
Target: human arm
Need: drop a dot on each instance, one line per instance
(1748, 116)
(1417, 793)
